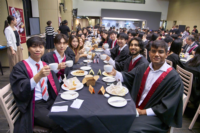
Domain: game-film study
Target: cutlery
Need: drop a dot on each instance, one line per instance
(60, 102)
(116, 101)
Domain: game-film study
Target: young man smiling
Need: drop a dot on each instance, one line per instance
(136, 50)
(35, 88)
(121, 51)
(157, 90)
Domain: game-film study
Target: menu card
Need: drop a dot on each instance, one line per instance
(59, 108)
(77, 103)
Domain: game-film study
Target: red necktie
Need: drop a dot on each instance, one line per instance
(38, 66)
(119, 52)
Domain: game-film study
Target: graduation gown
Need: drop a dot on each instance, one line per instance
(69, 52)
(124, 54)
(175, 60)
(166, 101)
(109, 41)
(25, 97)
(193, 48)
(49, 58)
(195, 93)
(124, 65)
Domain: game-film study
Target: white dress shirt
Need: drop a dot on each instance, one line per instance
(59, 61)
(151, 78)
(112, 62)
(37, 86)
(107, 51)
(189, 47)
(113, 43)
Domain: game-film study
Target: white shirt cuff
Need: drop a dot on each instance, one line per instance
(119, 77)
(107, 51)
(33, 83)
(112, 62)
(150, 112)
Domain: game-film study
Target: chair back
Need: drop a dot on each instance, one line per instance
(8, 105)
(187, 78)
(169, 62)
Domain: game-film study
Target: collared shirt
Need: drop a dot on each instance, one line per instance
(107, 51)
(37, 86)
(120, 49)
(137, 57)
(151, 78)
(59, 61)
(189, 47)
(113, 43)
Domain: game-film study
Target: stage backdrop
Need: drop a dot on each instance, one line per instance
(18, 14)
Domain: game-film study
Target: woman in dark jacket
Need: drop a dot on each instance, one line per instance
(105, 39)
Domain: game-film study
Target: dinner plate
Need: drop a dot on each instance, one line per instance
(107, 90)
(122, 102)
(79, 87)
(69, 95)
(85, 68)
(108, 79)
(85, 73)
(105, 74)
(87, 61)
(99, 50)
(105, 61)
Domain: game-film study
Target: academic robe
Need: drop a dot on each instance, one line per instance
(109, 41)
(69, 52)
(24, 96)
(123, 55)
(175, 60)
(193, 48)
(124, 65)
(166, 101)
(195, 93)
(49, 58)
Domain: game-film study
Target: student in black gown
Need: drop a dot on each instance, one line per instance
(105, 39)
(157, 90)
(168, 40)
(131, 34)
(59, 56)
(121, 51)
(174, 53)
(190, 46)
(35, 89)
(193, 65)
(113, 37)
(136, 58)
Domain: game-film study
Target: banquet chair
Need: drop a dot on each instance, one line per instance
(195, 118)
(169, 62)
(11, 111)
(187, 78)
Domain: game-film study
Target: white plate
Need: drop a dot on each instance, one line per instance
(108, 79)
(87, 61)
(69, 95)
(115, 94)
(98, 50)
(85, 68)
(77, 88)
(117, 104)
(104, 74)
(85, 73)
(105, 61)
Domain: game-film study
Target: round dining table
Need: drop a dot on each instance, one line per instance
(95, 114)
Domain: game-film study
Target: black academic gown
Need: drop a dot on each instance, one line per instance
(166, 101)
(124, 54)
(124, 65)
(109, 43)
(48, 58)
(175, 60)
(186, 46)
(195, 93)
(20, 84)
(69, 52)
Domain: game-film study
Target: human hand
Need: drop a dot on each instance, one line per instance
(45, 71)
(13, 52)
(113, 73)
(62, 65)
(107, 58)
(141, 111)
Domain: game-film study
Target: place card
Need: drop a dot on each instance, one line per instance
(99, 72)
(91, 89)
(77, 103)
(101, 91)
(59, 108)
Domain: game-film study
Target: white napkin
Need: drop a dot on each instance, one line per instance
(59, 108)
(77, 103)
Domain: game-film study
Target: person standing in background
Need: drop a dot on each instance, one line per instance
(14, 49)
(49, 30)
(195, 29)
(64, 29)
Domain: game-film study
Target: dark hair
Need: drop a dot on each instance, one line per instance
(49, 23)
(71, 38)
(153, 38)
(195, 26)
(194, 62)
(149, 36)
(141, 44)
(176, 46)
(58, 37)
(124, 30)
(174, 36)
(35, 41)
(196, 37)
(64, 22)
(105, 32)
(73, 32)
(168, 39)
(8, 21)
(5, 25)
(159, 43)
(141, 35)
(113, 32)
(190, 37)
(123, 36)
(78, 31)
(83, 32)
(133, 33)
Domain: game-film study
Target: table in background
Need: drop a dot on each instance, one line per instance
(95, 115)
